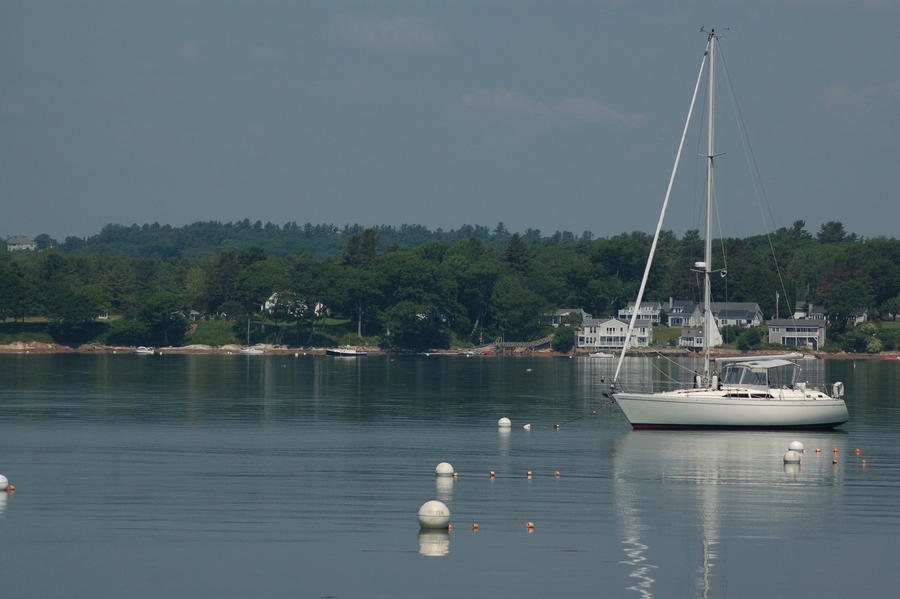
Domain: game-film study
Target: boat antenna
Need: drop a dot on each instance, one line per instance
(659, 223)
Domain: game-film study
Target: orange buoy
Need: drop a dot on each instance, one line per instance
(475, 526)
(818, 450)
(529, 474)
(835, 450)
(858, 451)
(557, 474)
(529, 526)
(863, 462)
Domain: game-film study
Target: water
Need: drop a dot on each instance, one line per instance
(237, 476)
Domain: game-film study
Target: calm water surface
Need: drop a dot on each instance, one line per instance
(270, 476)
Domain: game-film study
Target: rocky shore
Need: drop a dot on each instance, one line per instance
(36, 347)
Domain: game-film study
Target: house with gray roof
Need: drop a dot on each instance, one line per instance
(558, 317)
(743, 314)
(810, 311)
(20, 243)
(801, 332)
(683, 313)
(647, 311)
(609, 333)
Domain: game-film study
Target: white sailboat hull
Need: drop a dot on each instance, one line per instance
(710, 408)
(345, 352)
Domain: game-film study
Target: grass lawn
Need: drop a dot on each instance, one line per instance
(663, 334)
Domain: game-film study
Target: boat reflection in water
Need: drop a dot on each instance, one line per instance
(689, 494)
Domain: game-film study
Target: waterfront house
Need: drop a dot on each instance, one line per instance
(802, 332)
(691, 337)
(598, 333)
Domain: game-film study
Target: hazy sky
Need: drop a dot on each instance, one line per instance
(549, 115)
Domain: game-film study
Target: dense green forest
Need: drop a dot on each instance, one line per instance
(202, 239)
(414, 288)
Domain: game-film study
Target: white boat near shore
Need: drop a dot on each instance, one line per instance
(345, 352)
(251, 351)
(143, 351)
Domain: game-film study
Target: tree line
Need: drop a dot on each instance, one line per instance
(203, 239)
(440, 292)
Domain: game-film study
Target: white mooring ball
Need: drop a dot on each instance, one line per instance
(434, 514)
(791, 457)
(796, 446)
(4, 483)
(504, 422)
(444, 469)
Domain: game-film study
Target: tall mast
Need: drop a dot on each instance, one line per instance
(662, 215)
(707, 246)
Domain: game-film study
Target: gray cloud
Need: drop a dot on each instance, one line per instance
(588, 109)
(843, 100)
(188, 51)
(505, 101)
(514, 103)
(400, 35)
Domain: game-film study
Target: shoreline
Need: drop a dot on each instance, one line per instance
(36, 347)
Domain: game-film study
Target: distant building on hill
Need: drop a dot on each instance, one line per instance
(558, 317)
(20, 243)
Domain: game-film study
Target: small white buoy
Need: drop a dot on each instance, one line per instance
(444, 469)
(434, 514)
(791, 457)
(527, 427)
(504, 422)
(4, 483)
(796, 446)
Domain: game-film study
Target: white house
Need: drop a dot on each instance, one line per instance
(598, 333)
(647, 311)
(19, 243)
(691, 337)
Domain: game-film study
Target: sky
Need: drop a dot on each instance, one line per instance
(546, 115)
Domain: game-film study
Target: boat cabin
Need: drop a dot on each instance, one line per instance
(775, 374)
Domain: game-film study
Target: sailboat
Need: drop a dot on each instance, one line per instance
(751, 392)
